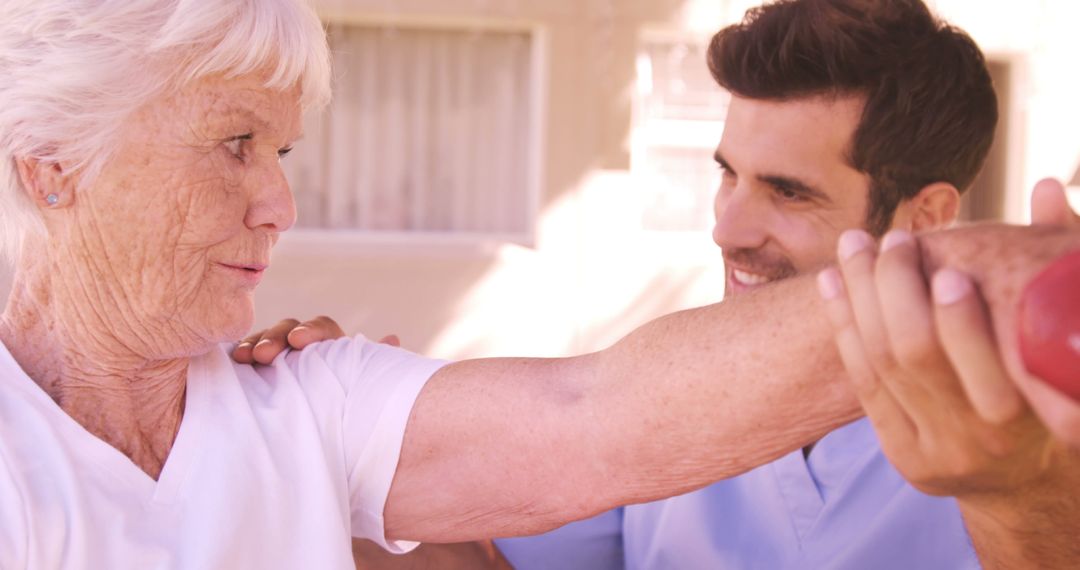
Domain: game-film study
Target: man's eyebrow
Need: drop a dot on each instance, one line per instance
(795, 185)
(780, 181)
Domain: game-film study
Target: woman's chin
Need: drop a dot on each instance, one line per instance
(229, 322)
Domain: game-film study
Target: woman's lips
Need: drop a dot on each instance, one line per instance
(250, 273)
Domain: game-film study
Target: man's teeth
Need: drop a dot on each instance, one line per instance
(749, 278)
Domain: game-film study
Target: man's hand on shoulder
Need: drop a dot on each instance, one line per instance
(263, 346)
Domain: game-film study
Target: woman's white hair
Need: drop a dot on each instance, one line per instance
(72, 72)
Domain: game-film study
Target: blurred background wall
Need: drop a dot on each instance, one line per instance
(535, 178)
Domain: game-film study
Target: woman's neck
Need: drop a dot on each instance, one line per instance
(131, 401)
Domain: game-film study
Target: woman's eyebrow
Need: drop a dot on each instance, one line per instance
(253, 122)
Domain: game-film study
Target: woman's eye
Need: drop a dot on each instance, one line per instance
(283, 152)
(236, 146)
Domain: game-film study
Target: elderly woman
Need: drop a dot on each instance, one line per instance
(140, 196)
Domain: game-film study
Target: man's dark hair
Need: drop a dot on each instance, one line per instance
(930, 108)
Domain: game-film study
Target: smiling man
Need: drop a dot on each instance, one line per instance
(847, 114)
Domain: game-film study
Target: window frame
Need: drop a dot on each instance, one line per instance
(703, 134)
(537, 141)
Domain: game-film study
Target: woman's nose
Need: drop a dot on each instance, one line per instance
(272, 206)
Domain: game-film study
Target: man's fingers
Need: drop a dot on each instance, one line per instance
(838, 308)
(1050, 206)
(243, 353)
(273, 341)
(315, 330)
(927, 382)
(905, 303)
(968, 339)
(857, 256)
(391, 340)
(880, 405)
(327, 326)
(262, 347)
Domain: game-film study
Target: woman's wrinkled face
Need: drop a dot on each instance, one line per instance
(176, 233)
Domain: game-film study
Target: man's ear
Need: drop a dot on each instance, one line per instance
(935, 207)
(41, 179)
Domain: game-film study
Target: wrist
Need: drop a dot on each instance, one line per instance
(1032, 524)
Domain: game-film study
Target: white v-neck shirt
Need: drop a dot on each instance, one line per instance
(273, 467)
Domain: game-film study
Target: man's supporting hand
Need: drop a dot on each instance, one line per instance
(927, 368)
(263, 346)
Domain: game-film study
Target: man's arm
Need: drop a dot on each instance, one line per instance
(505, 447)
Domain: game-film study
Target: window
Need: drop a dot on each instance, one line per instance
(430, 131)
(679, 117)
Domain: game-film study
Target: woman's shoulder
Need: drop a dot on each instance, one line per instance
(341, 365)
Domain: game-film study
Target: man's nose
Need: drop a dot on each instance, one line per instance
(741, 219)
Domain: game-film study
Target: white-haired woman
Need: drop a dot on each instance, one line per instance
(140, 195)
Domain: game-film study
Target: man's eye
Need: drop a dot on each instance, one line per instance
(789, 195)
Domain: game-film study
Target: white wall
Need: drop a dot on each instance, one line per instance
(594, 274)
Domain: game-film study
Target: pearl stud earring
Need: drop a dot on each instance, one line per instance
(52, 199)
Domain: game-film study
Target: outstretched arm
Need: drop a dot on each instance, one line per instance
(506, 447)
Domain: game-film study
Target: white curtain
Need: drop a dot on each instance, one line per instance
(428, 131)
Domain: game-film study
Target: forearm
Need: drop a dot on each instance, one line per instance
(1033, 529)
(730, 387)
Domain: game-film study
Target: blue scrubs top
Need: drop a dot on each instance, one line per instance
(843, 508)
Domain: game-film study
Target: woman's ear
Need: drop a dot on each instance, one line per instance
(936, 206)
(44, 183)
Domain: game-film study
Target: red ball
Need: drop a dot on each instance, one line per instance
(1050, 325)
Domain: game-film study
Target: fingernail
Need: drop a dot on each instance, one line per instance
(262, 342)
(950, 286)
(829, 286)
(895, 238)
(852, 242)
(245, 344)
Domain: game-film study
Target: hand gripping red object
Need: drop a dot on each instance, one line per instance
(1050, 325)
